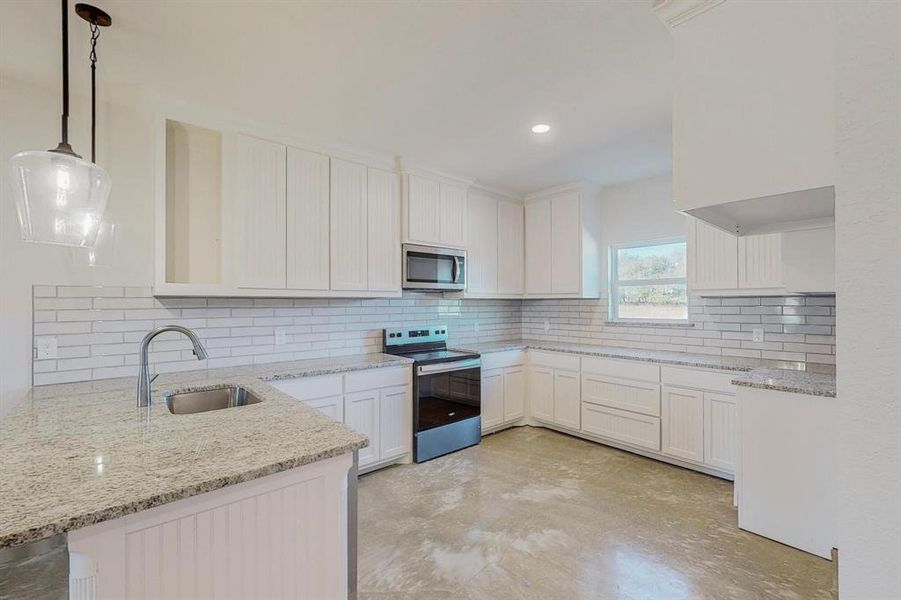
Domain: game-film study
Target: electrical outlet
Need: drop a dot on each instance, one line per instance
(46, 348)
(281, 338)
(476, 327)
(757, 335)
(547, 325)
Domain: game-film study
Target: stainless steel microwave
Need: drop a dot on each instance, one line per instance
(432, 268)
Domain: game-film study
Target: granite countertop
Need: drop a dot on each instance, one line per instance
(813, 379)
(727, 363)
(814, 382)
(78, 454)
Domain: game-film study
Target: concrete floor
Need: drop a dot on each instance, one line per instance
(531, 513)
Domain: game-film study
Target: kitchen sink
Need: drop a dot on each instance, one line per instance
(229, 396)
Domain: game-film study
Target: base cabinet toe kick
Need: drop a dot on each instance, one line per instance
(286, 535)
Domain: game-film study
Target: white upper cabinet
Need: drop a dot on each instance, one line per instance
(482, 249)
(308, 220)
(760, 261)
(808, 259)
(383, 200)
(453, 215)
(723, 264)
(562, 257)
(349, 229)
(566, 247)
(434, 212)
(510, 248)
(712, 258)
(538, 247)
(260, 213)
(753, 112)
(423, 210)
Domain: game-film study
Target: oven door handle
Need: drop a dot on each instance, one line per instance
(446, 367)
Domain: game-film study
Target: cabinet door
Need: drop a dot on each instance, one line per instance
(482, 249)
(453, 215)
(567, 399)
(712, 258)
(260, 213)
(330, 406)
(720, 431)
(510, 248)
(492, 398)
(514, 393)
(423, 210)
(538, 247)
(361, 413)
(566, 244)
(308, 220)
(383, 201)
(683, 423)
(541, 393)
(349, 231)
(395, 421)
(760, 261)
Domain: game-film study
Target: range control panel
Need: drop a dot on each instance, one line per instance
(420, 334)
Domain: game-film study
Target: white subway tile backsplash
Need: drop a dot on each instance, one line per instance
(99, 329)
(796, 328)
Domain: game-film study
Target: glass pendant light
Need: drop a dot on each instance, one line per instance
(60, 197)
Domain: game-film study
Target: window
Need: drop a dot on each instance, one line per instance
(647, 281)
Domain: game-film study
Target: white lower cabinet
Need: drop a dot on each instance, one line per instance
(621, 425)
(361, 413)
(541, 393)
(720, 431)
(492, 398)
(330, 406)
(683, 423)
(503, 389)
(567, 399)
(514, 393)
(378, 403)
(395, 420)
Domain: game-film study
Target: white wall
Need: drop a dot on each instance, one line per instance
(638, 211)
(29, 120)
(868, 275)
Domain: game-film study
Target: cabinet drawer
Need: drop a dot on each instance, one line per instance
(628, 369)
(497, 360)
(624, 394)
(310, 388)
(555, 360)
(699, 379)
(371, 379)
(622, 426)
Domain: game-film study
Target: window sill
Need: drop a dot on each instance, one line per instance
(653, 324)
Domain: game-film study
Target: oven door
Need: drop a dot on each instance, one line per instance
(430, 268)
(447, 393)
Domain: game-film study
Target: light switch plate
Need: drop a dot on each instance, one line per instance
(757, 335)
(547, 325)
(46, 348)
(281, 338)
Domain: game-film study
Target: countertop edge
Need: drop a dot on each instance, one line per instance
(780, 387)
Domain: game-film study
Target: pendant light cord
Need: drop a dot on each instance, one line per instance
(65, 117)
(95, 34)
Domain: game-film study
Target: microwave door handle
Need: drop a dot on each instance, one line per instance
(456, 271)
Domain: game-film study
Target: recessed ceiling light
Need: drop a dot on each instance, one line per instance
(541, 128)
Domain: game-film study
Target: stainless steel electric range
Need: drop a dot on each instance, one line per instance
(447, 393)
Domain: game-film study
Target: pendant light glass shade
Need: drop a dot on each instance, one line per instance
(60, 198)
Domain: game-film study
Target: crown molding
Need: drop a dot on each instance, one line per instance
(677, 12)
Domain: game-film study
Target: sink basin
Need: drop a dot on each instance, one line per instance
(229, 396)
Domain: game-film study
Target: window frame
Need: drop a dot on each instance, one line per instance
(614, 284)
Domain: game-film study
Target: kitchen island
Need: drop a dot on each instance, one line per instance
(249, 499)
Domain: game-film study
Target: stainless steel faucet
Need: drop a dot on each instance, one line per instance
(144, 378)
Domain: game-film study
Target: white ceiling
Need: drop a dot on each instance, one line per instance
(452, 85)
